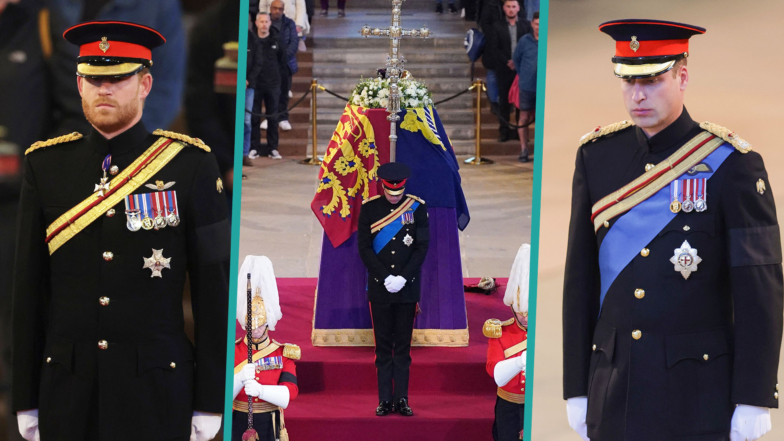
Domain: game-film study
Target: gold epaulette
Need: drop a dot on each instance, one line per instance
(371, 199)
(50, 142)
(415, 198)
(603, 131)
(726, 134)
(492, 328)
(196, 142)
(238, 341)
(292, 351)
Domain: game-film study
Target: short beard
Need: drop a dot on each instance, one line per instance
(111, 121)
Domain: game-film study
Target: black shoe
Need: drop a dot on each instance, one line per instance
(523, 156)
(439, 8)
(403, 408)
(503, 137)
(452, 9)
(384, 408)
(247, 162)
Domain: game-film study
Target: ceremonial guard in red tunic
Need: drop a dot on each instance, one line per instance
(506, 353)
(269, 382)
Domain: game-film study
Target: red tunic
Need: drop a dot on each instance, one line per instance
(280, 371)
(511, 335)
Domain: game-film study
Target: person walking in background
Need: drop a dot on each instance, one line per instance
(325, 8)
(501, 43)
(267, 90)
(525, 57)
(440, 6)
(287, 31)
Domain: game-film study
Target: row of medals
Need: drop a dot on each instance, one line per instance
(159, 222)
(699, 205)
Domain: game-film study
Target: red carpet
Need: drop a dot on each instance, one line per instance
(451, 394)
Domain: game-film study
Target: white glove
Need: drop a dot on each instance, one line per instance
(395, 284)
(505, 370)
(247, 373)
(28, 424)
(749, 423)
(204, 425)
(253, 388)
(278, 395)
(576, 408)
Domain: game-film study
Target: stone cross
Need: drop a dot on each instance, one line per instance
(394, 66)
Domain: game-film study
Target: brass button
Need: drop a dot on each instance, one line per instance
(108, 256)
(114, 170)
(110, 213)
(636, 334)
(48, 359)
(594, 347)
(104, 301)
(649, 166)
(705, 357)
(606, 224)
(173, 365)
(645, 252)
(393, 266)
(686, 228)
(393, 252)
(639, 293)
(103, 344)
(394, 238)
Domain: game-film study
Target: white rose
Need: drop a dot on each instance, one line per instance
(383, 102)
(413, 102)
(357, 100)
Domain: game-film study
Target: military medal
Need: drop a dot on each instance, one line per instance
(146, 211)
(701, 201)
(408, 240)
(156, 262)
(172, 212)
(269, 363)
(103, 187)
(685, 259)
(408, 217)
(687, 205)
(157, 203)
(132, 212)
(688, 195)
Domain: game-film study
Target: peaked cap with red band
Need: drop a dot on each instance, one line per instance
(646, 48)
(113, 48)
(393, 177)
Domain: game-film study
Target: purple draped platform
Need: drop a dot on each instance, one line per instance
(342, 312)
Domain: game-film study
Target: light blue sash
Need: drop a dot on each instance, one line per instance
(639, 226)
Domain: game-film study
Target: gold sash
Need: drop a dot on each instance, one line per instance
(516, 349)
(140, 171)
(392, 216)
(258, 355)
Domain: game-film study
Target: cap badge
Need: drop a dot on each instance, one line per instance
(634, 45)
(103, 45)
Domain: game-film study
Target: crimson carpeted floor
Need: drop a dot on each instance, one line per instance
(451, 394)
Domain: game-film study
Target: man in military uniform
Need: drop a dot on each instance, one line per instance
(270, 380)
(393, 235)
(110, 225)
(506, 353)
(672, 306)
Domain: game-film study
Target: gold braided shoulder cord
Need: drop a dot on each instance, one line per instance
(196, 142)
(50, 142)
(728, 135)
(604, 131)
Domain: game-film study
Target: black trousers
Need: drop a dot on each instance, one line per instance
(393, 325)
(268, 96)
(262, 424)
(283, 101)
(505, 78)
(509, 419)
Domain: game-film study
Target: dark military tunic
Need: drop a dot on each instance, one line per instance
(148, 380)
(393, 313)
(705, 343)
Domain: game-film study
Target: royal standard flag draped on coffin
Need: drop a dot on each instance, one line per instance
(360, 144)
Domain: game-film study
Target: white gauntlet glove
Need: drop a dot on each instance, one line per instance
(505, 370)
(253, 388)
(28, 424)
(749, 423)
(247, 373)
(204, 426)
(576, 409)
(394, 283)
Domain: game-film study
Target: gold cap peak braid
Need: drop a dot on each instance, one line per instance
(726, 134)
(600, 131)
(50, 142)
(196, 142)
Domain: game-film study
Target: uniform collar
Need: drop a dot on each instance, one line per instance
(673, 135)
(258, 346)
(122, 143)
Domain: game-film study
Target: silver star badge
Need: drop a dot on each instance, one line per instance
(408, 240)
(685, 259)
(157, 262)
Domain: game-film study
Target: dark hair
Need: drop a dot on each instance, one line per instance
(505, 1)
(536, 16)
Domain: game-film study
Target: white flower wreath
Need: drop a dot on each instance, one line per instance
(373, 93)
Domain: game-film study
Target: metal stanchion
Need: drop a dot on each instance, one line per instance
(314, 159)
(477, 159)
